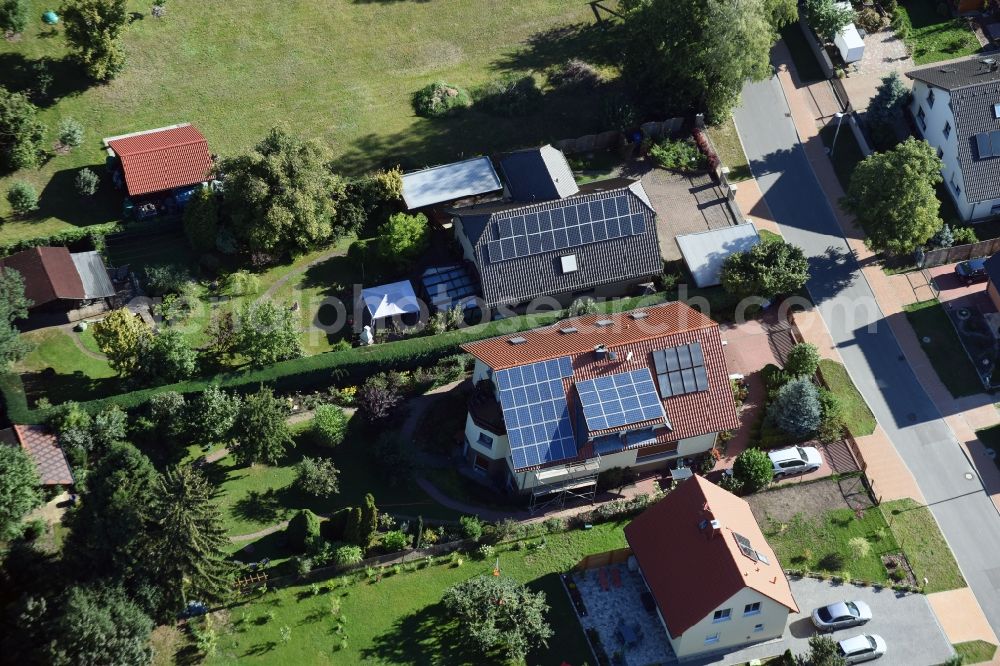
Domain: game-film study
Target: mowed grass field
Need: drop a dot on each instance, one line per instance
(341, 71)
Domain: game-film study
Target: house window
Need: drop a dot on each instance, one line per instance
(752, 609)
(930, 98)
(485, 441)
(711, 638)
(947, 129)
(922, 118)
(481, 464)
(722, 615)
(757, 628)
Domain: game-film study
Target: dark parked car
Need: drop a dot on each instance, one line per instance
(973, 270)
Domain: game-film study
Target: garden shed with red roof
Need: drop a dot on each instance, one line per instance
(161, 160)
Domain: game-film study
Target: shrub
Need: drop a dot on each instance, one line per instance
(803, 359)
(964, 235)
(472, 527)
(395, 540)
(14, 15)
(731, 483)
(900, 23)
(70, 133)
(679, 155)
(166, 279)
(22, 197)
(346, 556)
(575, 74)
(440, 99)
(509, 96)
(329, 425)
(869, 20)
(753, 470)
(87, 182)
(943, 238)
(796, 409)
(302, 530)
(377, 398)
(333, 528)
(486, 551)
(240, 283)
(860, 547)
(317, 477)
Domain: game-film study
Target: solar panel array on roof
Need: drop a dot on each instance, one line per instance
(618, 400)
(569, 226)
(680, 370)
(745, 547)
(988, 144)
(535, 412)
(448, 286)
(609, 444)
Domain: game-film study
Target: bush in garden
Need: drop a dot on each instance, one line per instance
(869, 20)
(87, 182)
(486, 552)
(964, 235)
(14, 15)
(678, 155)
(317, 477)
(472, 527)
(860, 547)
(329, 425)
(240, 283)
(943, 238)
(440, 99)
(575, 74)
(377, 398)
(333, 529)
(22, 197)
(796, 409)
(803, 360)
(346, 556)
(509, 96)
(70, 133)
(166, 279)
(395, 541)
(753, 470)
(302, 530)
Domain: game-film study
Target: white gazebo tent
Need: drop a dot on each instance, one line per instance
(391, 301)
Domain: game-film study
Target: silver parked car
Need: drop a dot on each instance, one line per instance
(861, 648)
(841, 615)
(795, 460)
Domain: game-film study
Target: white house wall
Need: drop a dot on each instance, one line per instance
(695, 445)
(501, 445)
(739, 629)
(932, 130)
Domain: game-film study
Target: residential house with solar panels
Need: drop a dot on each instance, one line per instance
(550, 237)
(956, 108)
(554, 406)
(716, 582)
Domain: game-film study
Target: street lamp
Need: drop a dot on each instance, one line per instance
(840, 118)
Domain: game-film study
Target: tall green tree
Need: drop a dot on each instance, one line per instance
(93, 31)
(768, 269)
(13, 306)
(213, 415)
(796, 409)
(369, 520)
(13, 15)
(20, 490)
(166, 357)
(684, 56)
(188, 542)
(282, 196)
(827, 17)
(499, 615)
(781, 12)
(201, 220)
(885, 110)
(121, 336)
(267, 332)
(403, 238)
(100, 625)
(893, 197)
(260, 431)
(21, 133)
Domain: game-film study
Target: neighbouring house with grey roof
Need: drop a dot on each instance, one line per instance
(956, 107)
(448, 183)
(596, 240)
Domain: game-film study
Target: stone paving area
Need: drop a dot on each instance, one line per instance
(884, 53)
(606, 609)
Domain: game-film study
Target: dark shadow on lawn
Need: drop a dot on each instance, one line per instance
(59, 388)
(259, 507)
(20, 74)
(428, 636)
(591, 42)
(59, 199)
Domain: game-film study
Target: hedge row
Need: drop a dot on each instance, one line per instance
(349, 366)
(93, 233)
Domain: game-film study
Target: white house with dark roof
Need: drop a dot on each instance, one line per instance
(956, 107)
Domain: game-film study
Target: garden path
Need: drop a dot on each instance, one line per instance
(283, 280)
(69, 329)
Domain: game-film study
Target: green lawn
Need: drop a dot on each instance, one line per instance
(928, 553)
(57, 368)
(860, 420)
(975, 652)
(802, 56)
(399, 620)
(934, 36)
(990, 437)
(727, 142)
(945, 349)
(342, 71)
(846, 154)
(812, 544)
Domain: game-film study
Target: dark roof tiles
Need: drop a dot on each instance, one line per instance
(49, 274)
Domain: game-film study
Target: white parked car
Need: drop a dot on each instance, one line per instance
(795, 460)
(861, 648)
(841, 615)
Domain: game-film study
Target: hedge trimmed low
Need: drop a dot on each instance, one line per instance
(349, 366)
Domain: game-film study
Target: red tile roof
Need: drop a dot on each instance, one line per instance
(664, 326)
(691, 571)
(163, 159)
(43, 448)
(49, 274)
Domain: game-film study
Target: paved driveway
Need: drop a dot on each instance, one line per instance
(906, 622)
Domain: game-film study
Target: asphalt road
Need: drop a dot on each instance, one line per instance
(952, 488)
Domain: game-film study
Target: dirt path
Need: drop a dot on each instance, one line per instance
(279, 283)
(78, 343)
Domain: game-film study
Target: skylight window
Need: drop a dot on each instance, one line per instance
(996, 110)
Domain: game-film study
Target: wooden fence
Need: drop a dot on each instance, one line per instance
(615, 139)
(949, 255)
(604, 559)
